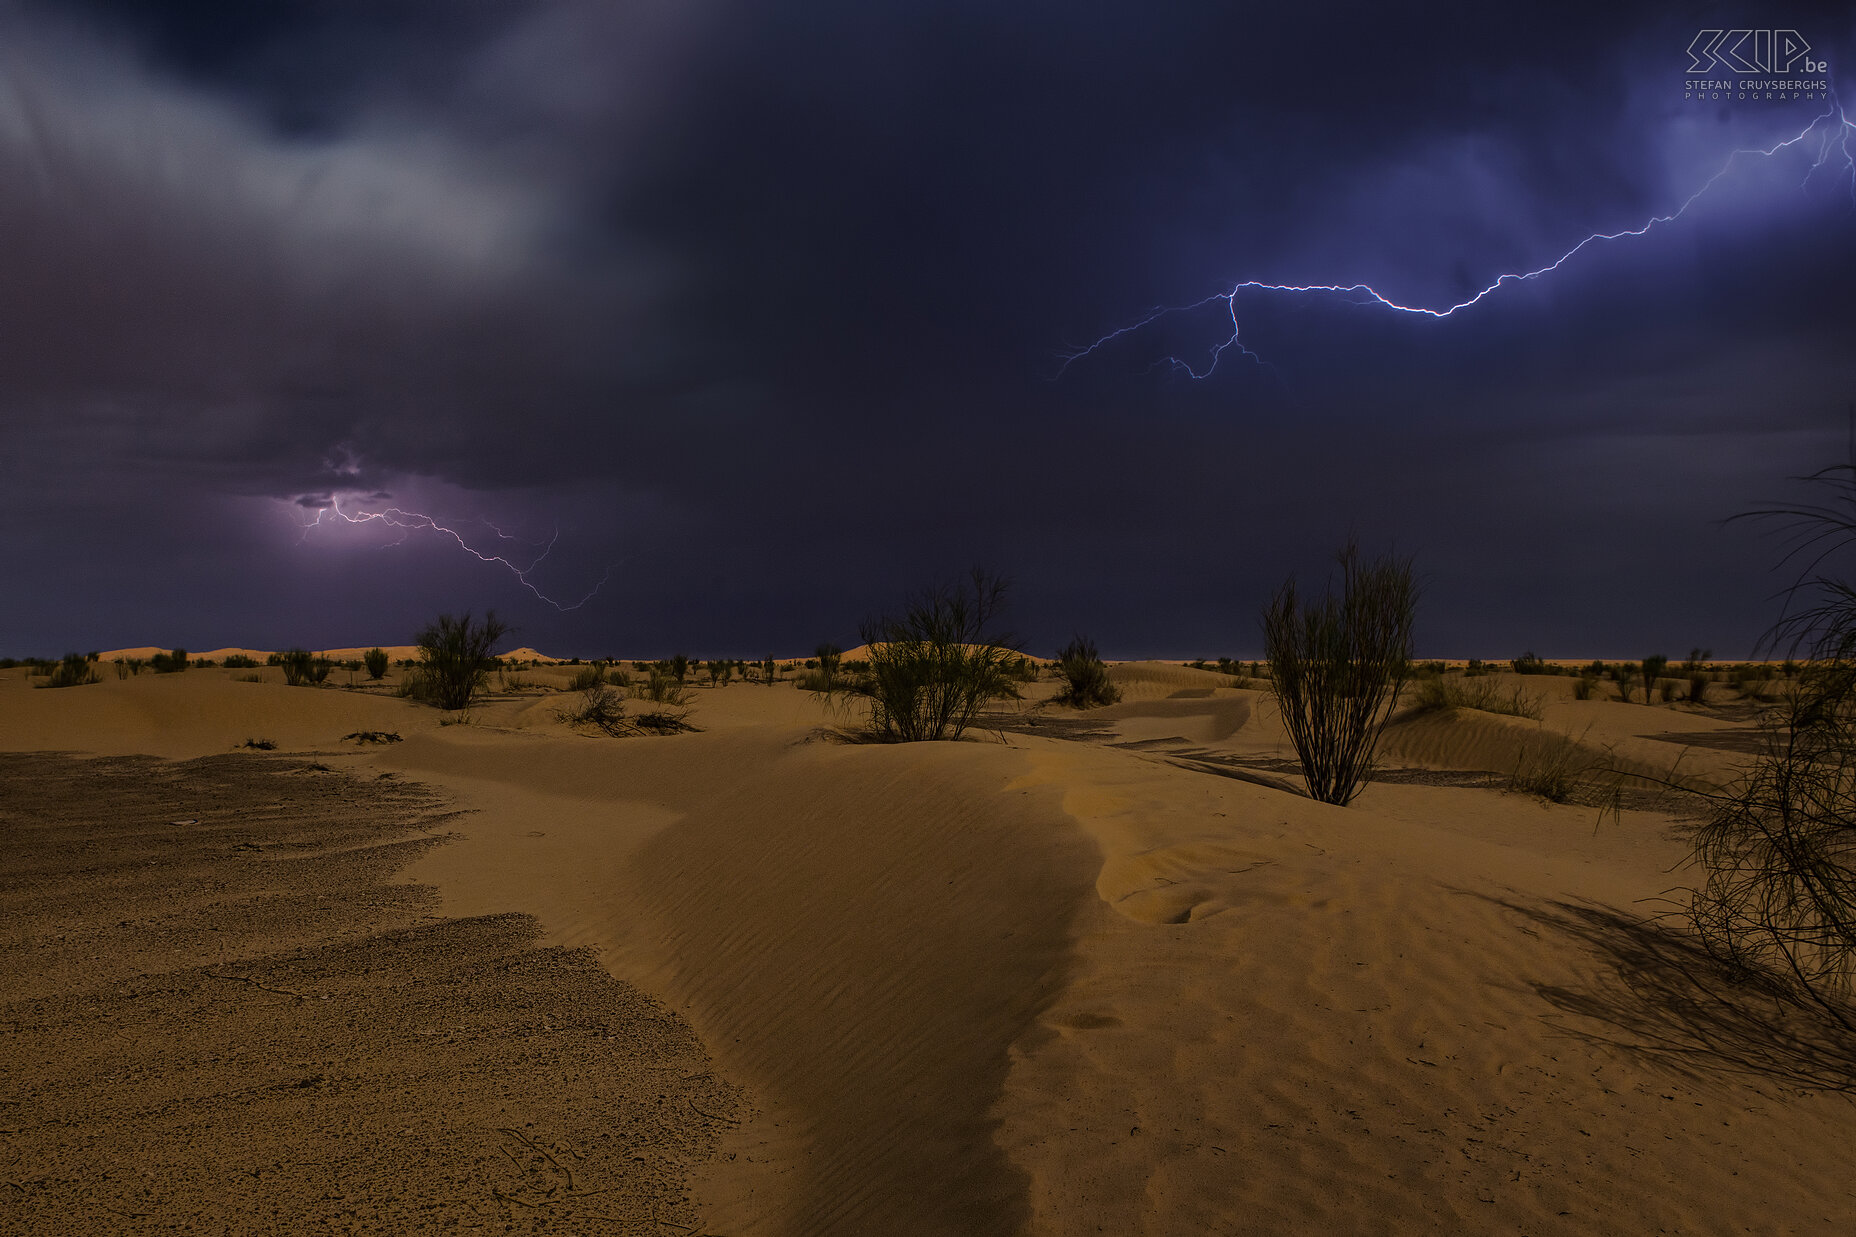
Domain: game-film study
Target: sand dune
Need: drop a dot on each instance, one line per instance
(1083, 976)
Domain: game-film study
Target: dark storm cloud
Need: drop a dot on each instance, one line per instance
(766, 305)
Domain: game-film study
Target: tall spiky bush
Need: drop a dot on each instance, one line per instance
(1337, 665)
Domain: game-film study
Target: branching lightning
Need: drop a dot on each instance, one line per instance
(412, 521)
(1829, 135)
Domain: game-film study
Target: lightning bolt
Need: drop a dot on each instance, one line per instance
(412, 521)
(1830, 133)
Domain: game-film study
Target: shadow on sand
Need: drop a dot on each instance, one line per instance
(1658, 995)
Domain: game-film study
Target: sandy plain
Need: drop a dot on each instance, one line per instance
(1083, 973)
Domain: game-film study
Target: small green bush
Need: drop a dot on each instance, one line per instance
(238, 661)
(376, 662)
(1529, 663)
(169, 663)
(938, 662)
(1085, 677)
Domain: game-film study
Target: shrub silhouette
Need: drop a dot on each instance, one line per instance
(661, 687)
(169, 663)
(1653, 668)
(296, 664)
(1484, 693)
(1085, 678)
(1336, 667)
(600, 707)
(73, 670)
(455, 657)
(376, 662)
(828, 656)
(938, 662)
(1777, 855)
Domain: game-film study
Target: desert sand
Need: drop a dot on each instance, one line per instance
(1098, 972)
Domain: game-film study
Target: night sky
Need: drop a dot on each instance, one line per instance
(759, 313)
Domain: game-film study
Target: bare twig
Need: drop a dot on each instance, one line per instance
(244, 979)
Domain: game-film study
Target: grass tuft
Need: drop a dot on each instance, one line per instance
(1484, 694)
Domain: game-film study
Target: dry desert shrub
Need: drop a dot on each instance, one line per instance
(1485, 694)
(603, 709)
(301, 667)
(1085, 678)
(1337, 665)
(169, 663)
(1555, 767)
(938, 662)
(454, 659)
(73, 670)
(661, 687)
(1777, 855)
